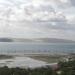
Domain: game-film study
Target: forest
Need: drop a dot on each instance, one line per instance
(64, 68)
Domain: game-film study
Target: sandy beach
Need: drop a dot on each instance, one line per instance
(22, 62)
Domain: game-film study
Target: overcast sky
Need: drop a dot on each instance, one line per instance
(37, 18)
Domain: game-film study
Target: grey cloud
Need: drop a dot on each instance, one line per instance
(27, 22)
(73, 2)
(47, 8)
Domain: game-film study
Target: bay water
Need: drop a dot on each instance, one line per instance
(20, 47)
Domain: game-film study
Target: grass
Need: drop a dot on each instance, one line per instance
(5, 57)
(47, 58)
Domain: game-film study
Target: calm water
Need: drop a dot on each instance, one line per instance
(37, 48)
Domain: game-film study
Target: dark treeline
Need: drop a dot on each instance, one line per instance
(19, 71)
(67, 68)
(64, 68)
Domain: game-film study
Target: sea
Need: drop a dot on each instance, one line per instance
(21, 47)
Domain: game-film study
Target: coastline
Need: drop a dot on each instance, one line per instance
(24, 62)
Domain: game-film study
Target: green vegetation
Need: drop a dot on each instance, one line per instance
(63, 68)
(47, 58)
(18, 71)
(67, 68)
(5, 57)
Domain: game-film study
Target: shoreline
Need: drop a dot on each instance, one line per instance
(30, 60)
(24, 62)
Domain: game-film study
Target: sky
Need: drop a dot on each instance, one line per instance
(37, 19)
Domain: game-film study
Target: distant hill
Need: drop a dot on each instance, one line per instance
(6, 40)
(39, 40)
(45, 40)
(55, 40)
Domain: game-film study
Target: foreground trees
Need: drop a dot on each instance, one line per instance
(19, 71)
(67, 68)
(64, 68)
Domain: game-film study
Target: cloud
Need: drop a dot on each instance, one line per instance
(37, 18)
(72, 2)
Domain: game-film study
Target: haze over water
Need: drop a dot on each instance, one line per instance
(37, 48)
